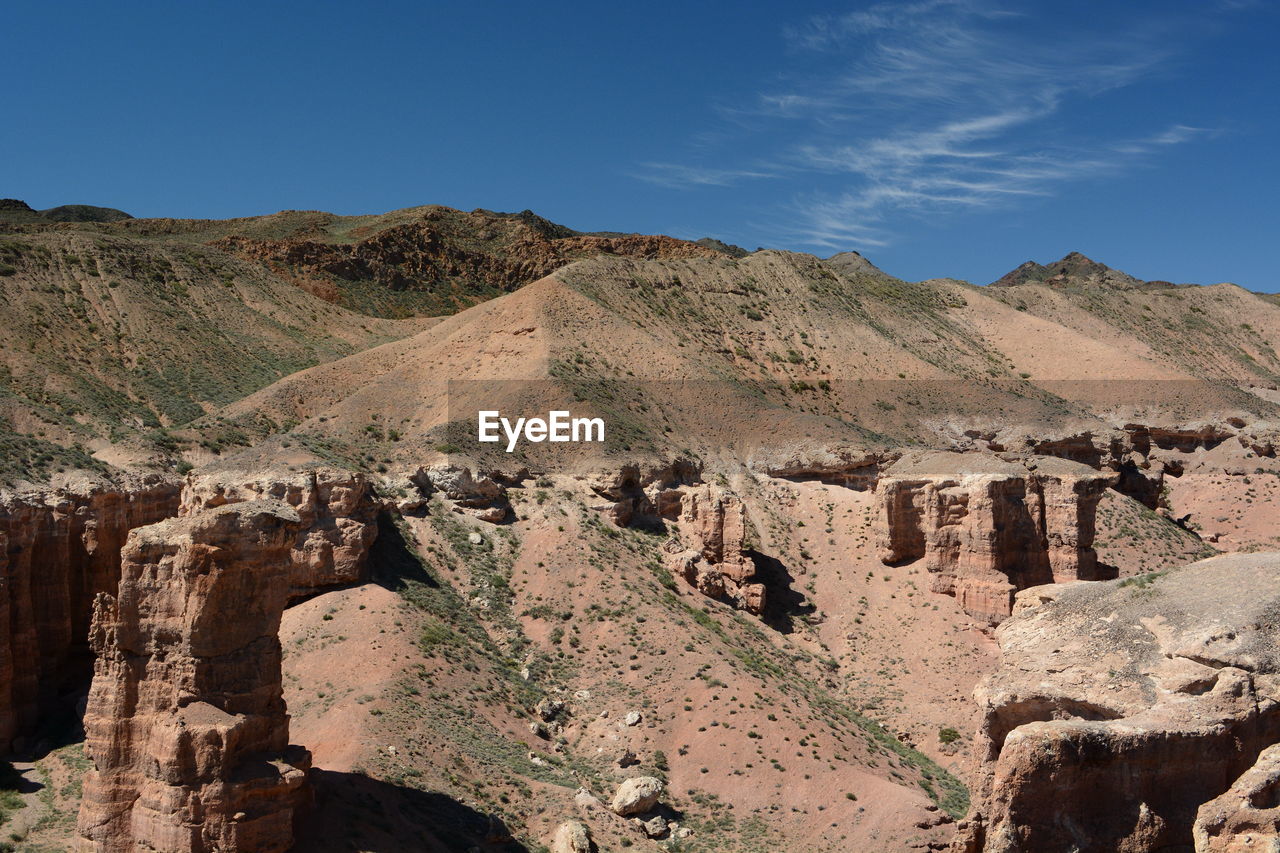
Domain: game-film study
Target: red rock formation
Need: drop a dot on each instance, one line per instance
(1121, 709)
(483, 495)
(708, 525)
(186, 722)
(645, 494)
(1140, 455)
(986, 527)
(60, 547)
(338, 511)
(709, 548)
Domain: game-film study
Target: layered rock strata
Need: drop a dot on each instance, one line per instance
(59, 547)
(1124, 715)
(338, 510)
(708, 526)
(986, 527)
(1140, 455)
(186, 722)
(709, 547)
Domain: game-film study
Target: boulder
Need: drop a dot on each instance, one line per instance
(655, 827)
(572, 836)
(636, 795)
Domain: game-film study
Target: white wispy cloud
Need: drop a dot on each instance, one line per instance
(1174, 135)
(932, 106)
(679, 176)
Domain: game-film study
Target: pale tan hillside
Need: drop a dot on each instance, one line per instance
(1045, 348)
(731, 356)
(1220, 331)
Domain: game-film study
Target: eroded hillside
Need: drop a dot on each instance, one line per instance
(830, 506)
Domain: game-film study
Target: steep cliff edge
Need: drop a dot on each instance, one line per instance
(986, 527)
(338, 510)
(1247, 817)
(1120, 709)
(186, 722)
(61, 547)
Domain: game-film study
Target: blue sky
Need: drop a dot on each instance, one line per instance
(938, 137)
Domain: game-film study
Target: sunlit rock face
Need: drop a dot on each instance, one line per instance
(1127, 715)
(986, 527)
(186, 722)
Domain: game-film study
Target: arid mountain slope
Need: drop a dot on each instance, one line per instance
(106, 337)
(419, 261)
(764, 355)
(14, 210)
(751, 620)
(441, 260)
(119, 327)
(1219, 331)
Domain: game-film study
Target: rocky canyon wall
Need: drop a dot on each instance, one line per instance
(60, 547)
(1131, 716)
(708, 526)
(186, 721)
(986, 527)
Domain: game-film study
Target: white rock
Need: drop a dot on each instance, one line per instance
(571, 837)
(636, 795)
(585, 799)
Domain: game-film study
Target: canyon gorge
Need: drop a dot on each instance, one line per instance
(863, 564)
